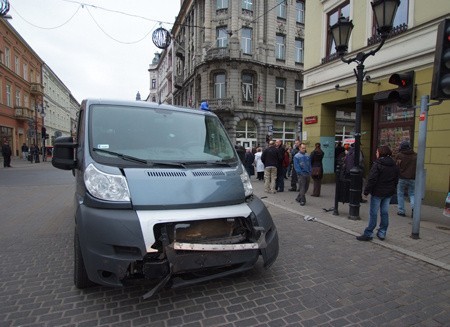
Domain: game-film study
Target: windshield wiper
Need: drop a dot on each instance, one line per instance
(167, 163)
(121, 155)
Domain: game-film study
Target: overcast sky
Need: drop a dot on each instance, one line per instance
(97, 48)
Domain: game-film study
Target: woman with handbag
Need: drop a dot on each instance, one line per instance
(317, 169)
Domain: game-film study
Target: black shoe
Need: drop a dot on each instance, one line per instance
(363, 201)
(381, 238)
(293, 189)
(364, 238)
(401, 214)
(302, 203)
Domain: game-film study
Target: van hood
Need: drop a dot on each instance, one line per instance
(184, 188)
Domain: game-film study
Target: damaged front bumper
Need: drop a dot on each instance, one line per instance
(180, 246)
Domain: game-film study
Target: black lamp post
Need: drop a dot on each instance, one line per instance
(384, 11)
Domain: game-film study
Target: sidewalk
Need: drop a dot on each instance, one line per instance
(433, 245)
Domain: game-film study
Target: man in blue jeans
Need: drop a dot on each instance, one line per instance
(406, 161)
(381, 185)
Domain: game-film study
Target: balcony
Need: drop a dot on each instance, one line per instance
(178, 82)
(23, 113)
(218, 53)
(221, 105)
(36, 89)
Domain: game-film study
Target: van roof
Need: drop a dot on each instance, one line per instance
(142, 104)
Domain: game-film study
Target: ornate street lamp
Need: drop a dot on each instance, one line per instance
(384, 11)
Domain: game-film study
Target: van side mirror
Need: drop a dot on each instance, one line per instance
(64, 153)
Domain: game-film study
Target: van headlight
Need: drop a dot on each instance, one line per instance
(248, 188)
(106, 186)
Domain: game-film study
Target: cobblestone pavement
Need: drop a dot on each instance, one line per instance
(322, 277)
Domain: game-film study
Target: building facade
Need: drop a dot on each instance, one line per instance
(246, 59)
(60, 107)
(21, 90)
(330, 84)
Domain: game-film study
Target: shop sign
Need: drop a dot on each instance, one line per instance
(311, 120)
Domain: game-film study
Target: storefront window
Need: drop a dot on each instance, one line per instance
(395, 124)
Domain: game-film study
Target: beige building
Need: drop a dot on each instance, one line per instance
(245, 58)
(385, 120)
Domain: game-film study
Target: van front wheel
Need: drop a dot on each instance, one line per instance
(80, 276)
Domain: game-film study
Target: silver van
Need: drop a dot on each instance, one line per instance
(161, 194)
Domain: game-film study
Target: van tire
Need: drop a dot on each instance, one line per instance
(80, 276)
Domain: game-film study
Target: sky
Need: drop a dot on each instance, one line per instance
(97, 48)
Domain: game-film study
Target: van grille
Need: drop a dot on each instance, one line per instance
(166, 173)
(208, 173)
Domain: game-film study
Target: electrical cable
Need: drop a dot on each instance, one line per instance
(46, 28)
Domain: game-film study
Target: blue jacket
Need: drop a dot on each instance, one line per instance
(302, 164)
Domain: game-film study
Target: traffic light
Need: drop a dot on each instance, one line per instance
(46, 136)
(404, 93)
(43, 131)
(440, 84)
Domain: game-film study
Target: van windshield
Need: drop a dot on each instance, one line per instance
(158, 134)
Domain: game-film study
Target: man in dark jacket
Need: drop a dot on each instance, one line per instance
(406, 161)
(270, 158)
(6, 153)
(381, 185)
(294, 179)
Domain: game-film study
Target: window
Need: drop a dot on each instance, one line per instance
(219, 86)
(221, 4)
(247, 87)
(247, 5)
(246, 44)
(26, 101)
(25, 71)
(333, 16)
(300, 11)
(7, 58)
(285, 131)
(153, 83)
(401, 17)
(8, 95)
(280, 47)
(17, 65)
(298, 50)
(280, 90)
(281, 9)
(17, 98)
(298, 89)
(222, 37)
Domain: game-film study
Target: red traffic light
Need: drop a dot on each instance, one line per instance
(401, 80)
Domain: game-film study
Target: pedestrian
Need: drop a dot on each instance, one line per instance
(294, 179)
(6, 153)
(317, 169)
(279, 186)
(338, 150)
(24, 151)
(406, 161)
(381, 185)
(302, 165)
(259, 164)
(270, 158)
(248, 162)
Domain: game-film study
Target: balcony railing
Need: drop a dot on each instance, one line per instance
(36, 89)
(218, 53)
(22, 113)
(225, 104)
